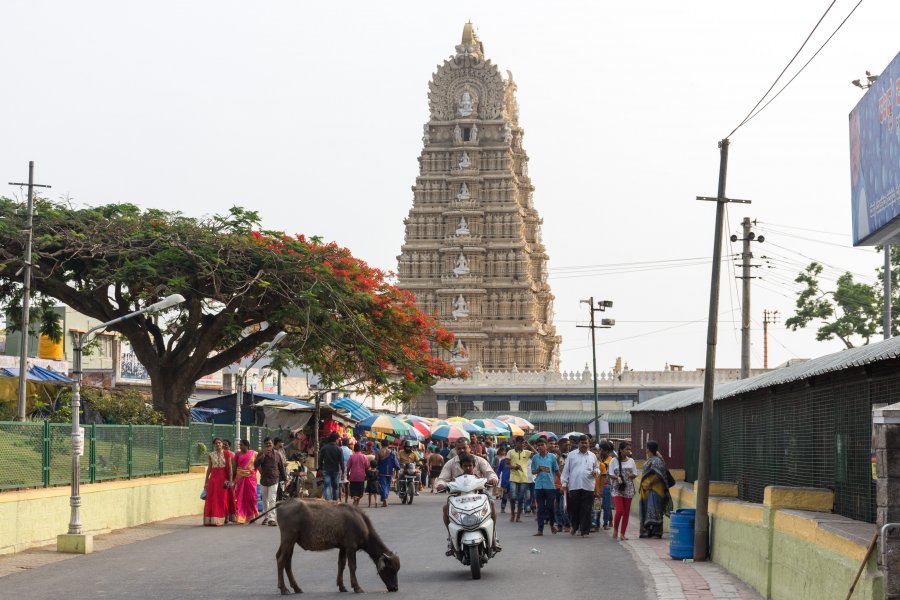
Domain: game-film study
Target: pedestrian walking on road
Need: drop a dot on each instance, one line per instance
(388, 464)
(372, 482)
(331, 464)
(578, 481)
(559, 505)
(622, 472)
(543, 466)
(435, 464)
(272, 471)
(356, 473)
(503, 474)
(656, 502)
(229, 458)
(217, 485)
(606, 497)
(245, 497)
(519, 465)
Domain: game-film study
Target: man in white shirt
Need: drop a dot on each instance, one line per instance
(578, 478)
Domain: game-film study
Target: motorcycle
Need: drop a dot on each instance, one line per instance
(471, 525)
(408, 483)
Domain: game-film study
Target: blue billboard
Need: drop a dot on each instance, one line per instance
(875, 161)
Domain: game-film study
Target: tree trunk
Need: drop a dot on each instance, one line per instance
(171, 390)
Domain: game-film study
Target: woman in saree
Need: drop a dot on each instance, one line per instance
(245, 497)
(656, 502)
(229, 458)
(217, 486)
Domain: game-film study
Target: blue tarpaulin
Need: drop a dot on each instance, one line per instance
(357, 410)
(36, 373)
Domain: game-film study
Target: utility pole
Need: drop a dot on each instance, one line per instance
(769, 317)
(701, 530)
(26, 289)
(746, 257)
(602, 305)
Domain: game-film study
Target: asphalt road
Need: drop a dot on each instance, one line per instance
(239, 561)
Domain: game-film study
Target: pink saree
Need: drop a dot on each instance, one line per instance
(245, 498)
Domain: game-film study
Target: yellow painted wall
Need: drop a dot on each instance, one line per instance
(782, 553)
(33, 518)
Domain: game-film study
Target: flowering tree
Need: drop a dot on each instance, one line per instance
(344, 319)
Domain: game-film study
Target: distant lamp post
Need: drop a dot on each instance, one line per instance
(75, 541)
(241, 379)
(601, 306)
(870, 79)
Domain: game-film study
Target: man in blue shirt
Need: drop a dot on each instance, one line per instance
(543, 466)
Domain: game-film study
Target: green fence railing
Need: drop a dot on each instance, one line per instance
(38, 454)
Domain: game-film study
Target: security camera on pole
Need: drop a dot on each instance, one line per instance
(602, 305)
(76, 541)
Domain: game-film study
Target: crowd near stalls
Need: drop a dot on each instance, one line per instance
(561, 482)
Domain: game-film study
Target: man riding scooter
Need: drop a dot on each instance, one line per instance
(479, 468)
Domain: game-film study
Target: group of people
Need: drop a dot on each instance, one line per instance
(230, 488)
(576, 489)
(582, 489)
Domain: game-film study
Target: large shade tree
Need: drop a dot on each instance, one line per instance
(344, 319)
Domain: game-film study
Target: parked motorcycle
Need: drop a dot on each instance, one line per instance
(408, 483)
(471, 525)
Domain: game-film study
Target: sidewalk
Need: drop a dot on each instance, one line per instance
(45, 555)
(678, 580)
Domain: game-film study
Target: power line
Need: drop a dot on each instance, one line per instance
(629, 264)
(774, 83)
(807, 62)
(758, 222)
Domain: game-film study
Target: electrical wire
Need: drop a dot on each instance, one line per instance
(778, 225)
(777, 79)
(748, 119)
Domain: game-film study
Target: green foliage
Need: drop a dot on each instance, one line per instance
(345, 321)
(42, 316)
(851, 310)
(116, 406)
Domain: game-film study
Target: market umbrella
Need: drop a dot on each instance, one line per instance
(547, 434)
(384, 424)
(492, 426)
(449, 432)
(458, 420)
(419, 419)
(419, 426)
(518, 421)
(572, 434)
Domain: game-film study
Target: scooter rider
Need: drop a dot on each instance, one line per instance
(480, 468)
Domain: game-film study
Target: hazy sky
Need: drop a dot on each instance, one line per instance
(312, 114)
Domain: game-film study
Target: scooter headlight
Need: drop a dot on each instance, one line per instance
(470, 520)
(454, 514)
(485, 511)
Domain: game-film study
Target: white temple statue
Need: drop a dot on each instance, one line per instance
(462, 266)
(464, 161)
(465, 104)
(426, 137)
(507, 132)
(460, 308)
(473, 137)
(463, 192)
(463, 227)
(457, 134)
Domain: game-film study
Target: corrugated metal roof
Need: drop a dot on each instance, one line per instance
(536, 416)
(830, 363)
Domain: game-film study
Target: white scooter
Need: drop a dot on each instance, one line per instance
(471, 526)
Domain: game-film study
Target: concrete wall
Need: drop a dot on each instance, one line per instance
(33, 518)
(785, 548)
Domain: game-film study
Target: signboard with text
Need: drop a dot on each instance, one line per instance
(875, 161)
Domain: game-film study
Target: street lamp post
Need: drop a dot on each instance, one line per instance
(75, 541)
(241, 380)
(602, 305)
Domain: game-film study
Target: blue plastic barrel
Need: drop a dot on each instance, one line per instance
(681, 533)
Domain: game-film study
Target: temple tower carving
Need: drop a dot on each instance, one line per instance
(473, 256)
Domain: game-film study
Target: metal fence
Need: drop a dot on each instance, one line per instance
(39, 454)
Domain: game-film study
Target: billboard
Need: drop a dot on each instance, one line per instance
(132, 371)
(875, 161)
